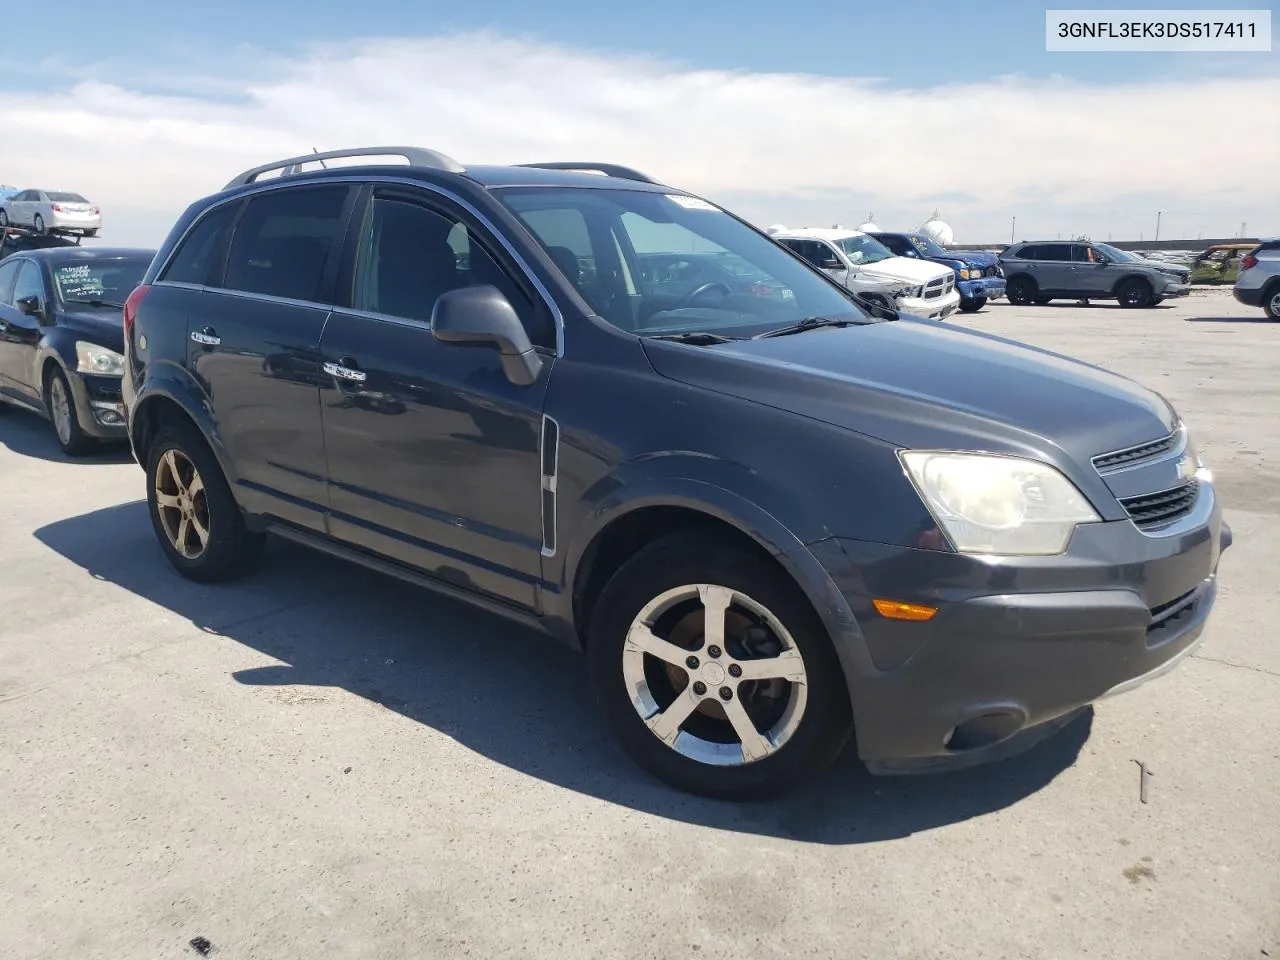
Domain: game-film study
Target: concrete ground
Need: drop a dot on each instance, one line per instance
(318, 762)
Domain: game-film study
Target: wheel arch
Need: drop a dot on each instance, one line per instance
(1115, 287)
(166, 402)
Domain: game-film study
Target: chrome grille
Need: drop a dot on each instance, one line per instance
(936, 288)
(1131, 456)
(1151, 511)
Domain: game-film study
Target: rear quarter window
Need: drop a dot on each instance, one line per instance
(283, 240)
(200, 251)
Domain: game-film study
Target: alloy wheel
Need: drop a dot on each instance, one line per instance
(714, 675)
(1273, 307)
(60, 409)
(182, 504)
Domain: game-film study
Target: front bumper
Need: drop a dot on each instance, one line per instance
(939, 308)
(988, 288)
(1019, 645)
(99, 406)
(1175, 289)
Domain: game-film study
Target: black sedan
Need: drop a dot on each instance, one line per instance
(62, 338)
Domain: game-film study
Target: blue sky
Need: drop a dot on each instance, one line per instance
(908, 43)
(801, 113)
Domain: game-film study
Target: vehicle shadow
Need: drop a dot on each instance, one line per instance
(513, 696)
(30, 435)
(1259, 318)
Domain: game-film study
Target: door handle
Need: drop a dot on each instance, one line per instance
(206, 337)
(346, 370)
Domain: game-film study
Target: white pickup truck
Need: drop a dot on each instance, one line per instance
(866, 266)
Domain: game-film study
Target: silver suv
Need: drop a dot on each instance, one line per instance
(1258, 283)
(1037, 272)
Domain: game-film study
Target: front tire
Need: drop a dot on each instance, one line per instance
(972, 306)
(4, 219)
(196, 518)
(713, 670)
(1135, 294)
(38, 223)
(1021, 290)
(60, 404)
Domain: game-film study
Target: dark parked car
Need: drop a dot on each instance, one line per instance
(978, 275)
(61, 340)
(1040, 272)
(764, 520)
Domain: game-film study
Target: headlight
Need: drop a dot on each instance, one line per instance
(998, 505)
(910, 291)
(967, 274)
(91, 358)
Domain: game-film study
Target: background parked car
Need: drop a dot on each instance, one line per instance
(1220, 263)
(51, 211)
(978, 276)
(853, 258)
(1258, 284)
(1040, 271)
(62, 340)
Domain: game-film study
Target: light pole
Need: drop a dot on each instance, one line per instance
(1158, 214)
(1013, 227)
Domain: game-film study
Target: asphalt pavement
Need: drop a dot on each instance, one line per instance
(318, 762)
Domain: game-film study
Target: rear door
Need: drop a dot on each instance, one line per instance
(1054, 270)
(254, 345)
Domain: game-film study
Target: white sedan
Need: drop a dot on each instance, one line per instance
(51, 211)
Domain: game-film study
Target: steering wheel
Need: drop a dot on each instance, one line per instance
(700, 289)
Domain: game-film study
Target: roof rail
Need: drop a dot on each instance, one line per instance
(608, 169)
(417, 157)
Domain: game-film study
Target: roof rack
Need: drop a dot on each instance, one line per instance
(608, 169)
(417, 157)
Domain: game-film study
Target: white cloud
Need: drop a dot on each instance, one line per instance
(1062, 156)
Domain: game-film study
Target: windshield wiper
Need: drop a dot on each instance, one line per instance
(99, 303)
(800, 326)
(698, 338)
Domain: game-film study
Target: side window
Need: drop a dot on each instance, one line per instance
(811, 250)
(826, 253)
(410, 254)
(197, 258)
(29, 283)
(1055, 251)
(7, 272)
(283, 242)
(897, 244)
(1028, 252)
(1081, 253)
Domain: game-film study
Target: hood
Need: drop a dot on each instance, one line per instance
(924, 384)
(104, 327)
(904, 268)
(976, 258)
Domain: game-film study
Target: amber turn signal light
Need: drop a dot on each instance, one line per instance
(897, 610)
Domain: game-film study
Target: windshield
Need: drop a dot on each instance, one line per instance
(67, 198)
(927, 246)
(1113, 253)
(110, 281)
(659, 265)
(863, 249)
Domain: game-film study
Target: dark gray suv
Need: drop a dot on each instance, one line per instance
(769, 519)
(1042, 271)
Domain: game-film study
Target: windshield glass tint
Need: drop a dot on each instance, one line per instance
(108, 280)
(661, 265)
(927, 247)
(864, 249)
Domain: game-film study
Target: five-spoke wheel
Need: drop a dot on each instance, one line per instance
(182, 504)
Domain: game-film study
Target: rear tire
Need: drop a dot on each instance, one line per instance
(1135, 294)
(791, 727)
(194, 514)
(972, 306)
(91, 233)
(1021, 290)
(1271, 302)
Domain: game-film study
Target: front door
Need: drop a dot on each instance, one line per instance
(1093, 275)
(254, 345)
(20, 334)
(433, 454)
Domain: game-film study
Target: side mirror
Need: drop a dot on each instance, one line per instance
(481, 316)
(831, 263)
(31, 307)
